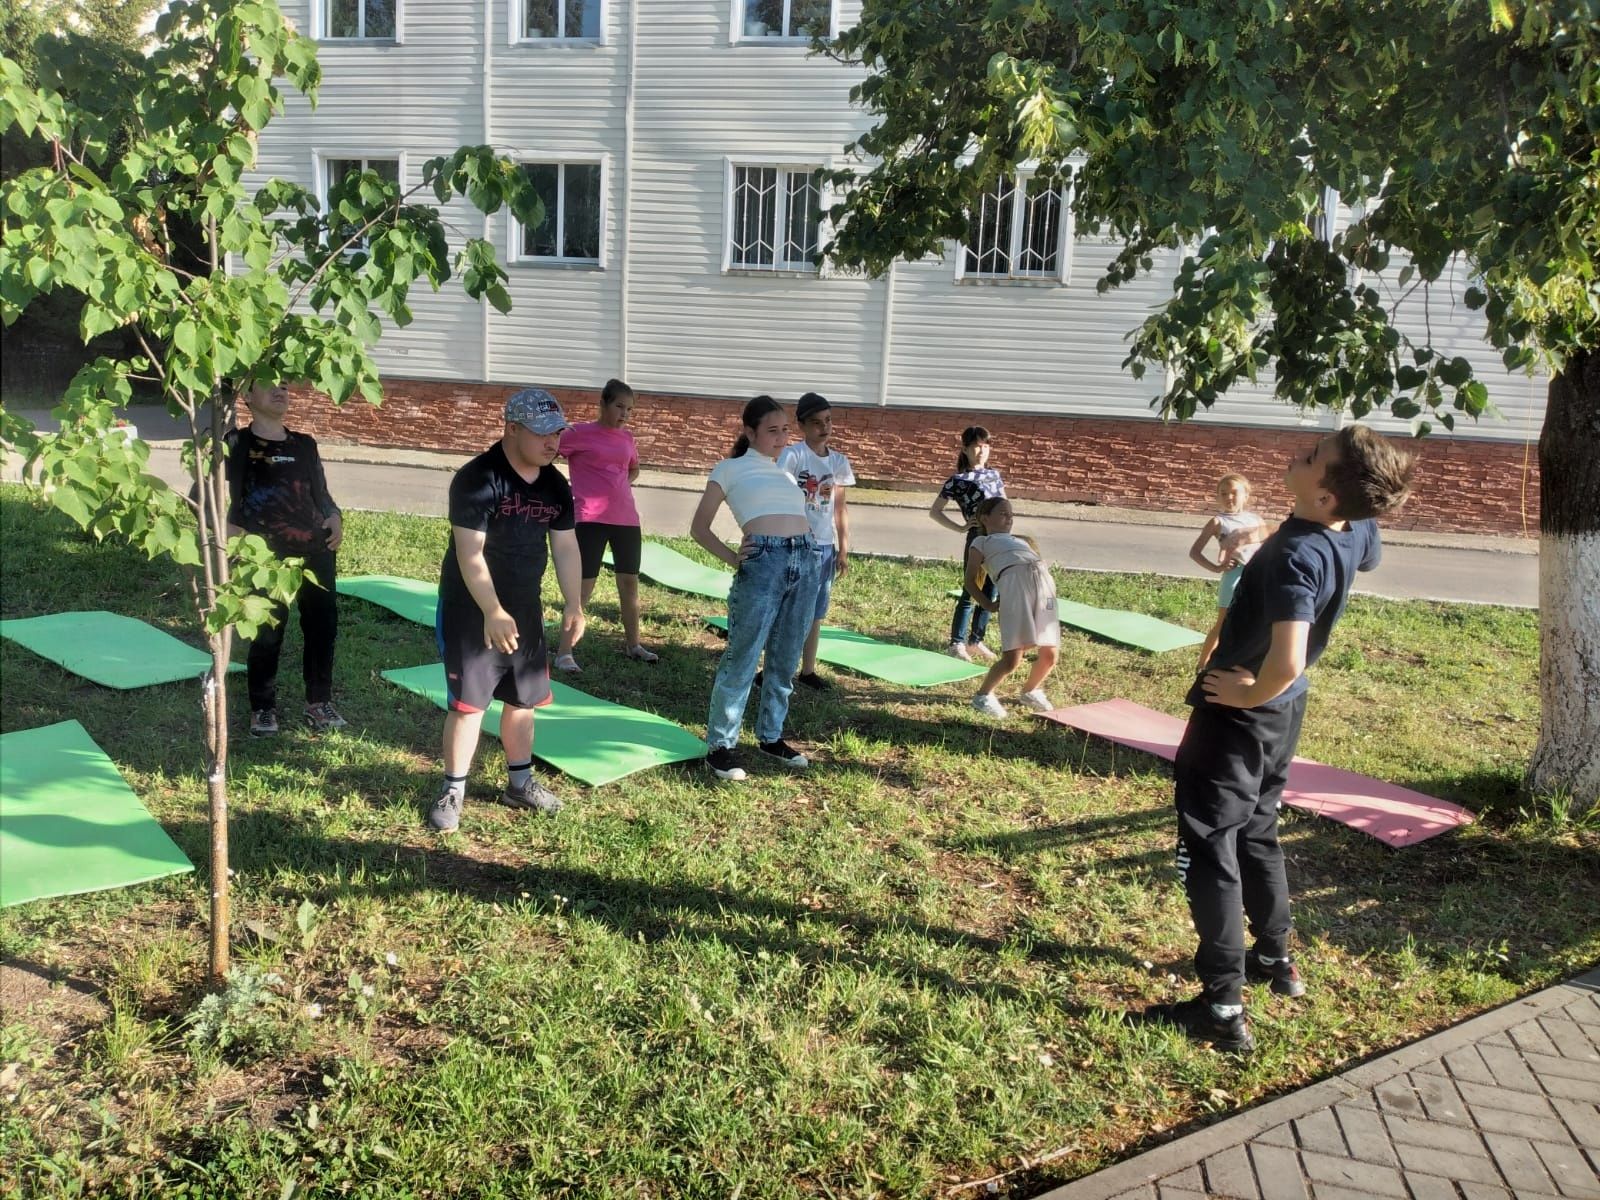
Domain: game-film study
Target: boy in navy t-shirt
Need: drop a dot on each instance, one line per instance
(1248, 706)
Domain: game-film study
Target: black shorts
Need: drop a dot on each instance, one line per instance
(627, 543)
(476, 675)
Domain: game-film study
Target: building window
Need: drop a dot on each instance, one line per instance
(574, 20)
(793, 19)
(337, 171)
(1019, 230)
(570, 231)
(372, 20)
(775, 217)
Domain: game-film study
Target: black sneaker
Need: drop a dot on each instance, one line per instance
(532, 794)
(814, 681)
(786, 754)
(1282, 974)
(724, 764)
(1198, 1022)
(264, 722)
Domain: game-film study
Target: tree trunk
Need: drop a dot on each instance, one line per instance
(1567, 758)
(216, 717)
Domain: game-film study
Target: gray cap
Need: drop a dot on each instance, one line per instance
(536, 410)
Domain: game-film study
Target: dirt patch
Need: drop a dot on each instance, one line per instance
(48, 1001)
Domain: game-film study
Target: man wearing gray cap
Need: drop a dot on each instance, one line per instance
(504, 504)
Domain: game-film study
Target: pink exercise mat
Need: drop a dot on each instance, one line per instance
(1394, 815)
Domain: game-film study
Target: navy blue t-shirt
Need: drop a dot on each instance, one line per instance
(1303, 572)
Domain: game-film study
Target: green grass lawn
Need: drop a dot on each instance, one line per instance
(902, 971)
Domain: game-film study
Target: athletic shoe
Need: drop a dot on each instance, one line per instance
(565, 662)
(640, 654)
(978, 652)
(445, 814)
(989, 706)
(785, 753)
(264, 722)
(1037, 701)
(814, 681)
(532, 794)
(724, 764)
(1282, 974)
(323, 717)
(959, 650)
(1199, 1023)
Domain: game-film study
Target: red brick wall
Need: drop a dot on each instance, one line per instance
(1461, 486)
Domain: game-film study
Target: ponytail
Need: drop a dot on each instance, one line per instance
(754, 413)
(970, 437)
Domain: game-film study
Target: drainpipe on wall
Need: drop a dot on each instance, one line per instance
(488, 140)
(888, 336)
(624, 227)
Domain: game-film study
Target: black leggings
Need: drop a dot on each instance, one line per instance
(319, 626)
(627, 544)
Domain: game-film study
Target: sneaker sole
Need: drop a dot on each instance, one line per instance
(736, 775)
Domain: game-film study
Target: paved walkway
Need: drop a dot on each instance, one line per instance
(1506, 1104)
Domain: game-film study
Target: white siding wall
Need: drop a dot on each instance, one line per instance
(703, 99)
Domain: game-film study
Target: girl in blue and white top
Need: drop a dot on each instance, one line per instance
(774, 588)
(974, 482)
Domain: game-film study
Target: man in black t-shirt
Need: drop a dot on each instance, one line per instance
(504, 504)
(1248, 706)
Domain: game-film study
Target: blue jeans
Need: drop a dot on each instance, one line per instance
(769, 608)
(970, 622)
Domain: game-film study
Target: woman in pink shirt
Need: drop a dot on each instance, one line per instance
(603, 462)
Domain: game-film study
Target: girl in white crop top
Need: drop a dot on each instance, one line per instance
(773, 592)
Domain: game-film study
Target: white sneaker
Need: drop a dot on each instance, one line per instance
(986, 703)
(978, 652)
(1037, 700)
(959, 650)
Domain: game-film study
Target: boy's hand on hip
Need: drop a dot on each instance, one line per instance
(1230, 687)
(500, 632)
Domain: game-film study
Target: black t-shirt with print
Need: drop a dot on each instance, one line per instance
(516, 516)
(278, 491)
(1303, 572)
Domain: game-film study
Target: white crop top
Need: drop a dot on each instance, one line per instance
(756, 487)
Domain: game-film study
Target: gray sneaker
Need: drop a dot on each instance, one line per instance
(445, 814)
(324, 717)
(531, 794)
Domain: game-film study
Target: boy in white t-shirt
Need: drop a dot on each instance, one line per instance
(823, 474)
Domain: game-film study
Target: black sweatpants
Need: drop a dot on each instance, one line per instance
(1231, 768)
(319, 626)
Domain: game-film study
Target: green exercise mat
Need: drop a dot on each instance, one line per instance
(109, 649)
(667, 567)
(590, 739)
(865, 655)
(68, 821)
(410, 598)
(1133, 629)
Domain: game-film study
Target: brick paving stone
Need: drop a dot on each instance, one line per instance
(1552, 1064)
(1432, 1133)
(1278, 1173)
(1531, 1039)
(1569, 1168)
(1278, 1135)
(1330, 1191)
(1583, 1120)
(1519, 1163)
(1499, 1120)
(1573, 1089)
(1430, 1187)
(1144, 1193)
(1464, 1063)
(1347, 1173)
(1584, 1011)
(1398, 1096)
(1449, 1164)
(1501, 1039)
(1570, 1038)
(1475, 1094)
(1366, 1135)
(1481, 1191)
(1434, 1067)
(1319, 1131)
(1509, 1069)
(1229, 1174)
(1189, 1178)
(1172, 1193)
(1441, 1100)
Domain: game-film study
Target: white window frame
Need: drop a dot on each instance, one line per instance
(730, 173)
(515, 254)
(321, 157)
(736, 33)
(517, 13)
(1064, 238)
(319, 22)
